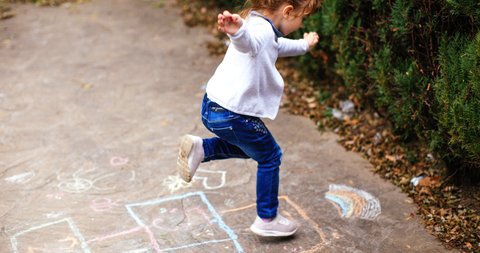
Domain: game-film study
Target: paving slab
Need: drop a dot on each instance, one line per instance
(94, 98)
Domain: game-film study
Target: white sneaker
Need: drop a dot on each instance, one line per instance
(190, 155)
(279, 226)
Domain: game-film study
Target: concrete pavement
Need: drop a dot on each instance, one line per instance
(93, 101)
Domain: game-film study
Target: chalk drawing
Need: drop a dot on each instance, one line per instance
(70, 248)
(159, 223)
(199, 211)
(77, 236)
(21, 178)
(229, 202)
(137, 251)
(352, 202)
(37, 250)
(103, 204)
(73, 241)
(293, 249)
(58, 195)
(77, 184)
(174, 183)
(118, 161)
(205, 179)
(162, 224)
(134, 230)
(54, 214)
(216, 219)
(34, 250)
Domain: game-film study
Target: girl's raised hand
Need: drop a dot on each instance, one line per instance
(312, 38)
(229, 23)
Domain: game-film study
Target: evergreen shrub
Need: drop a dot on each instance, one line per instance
(457, 96)
(412, 61)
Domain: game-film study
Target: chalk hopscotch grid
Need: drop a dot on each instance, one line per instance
(71, 225)
(221, 224)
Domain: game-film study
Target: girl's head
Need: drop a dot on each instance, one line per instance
(286, 14)
(302, 7)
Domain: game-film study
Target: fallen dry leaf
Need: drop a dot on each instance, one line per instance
(429, 182)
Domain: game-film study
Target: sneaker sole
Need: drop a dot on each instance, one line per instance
(186, 146)
(271, 233)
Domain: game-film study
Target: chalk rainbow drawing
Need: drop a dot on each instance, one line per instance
(353, 203)
(216, 220)
(77, 235)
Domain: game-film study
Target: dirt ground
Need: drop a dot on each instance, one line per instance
(94, 98)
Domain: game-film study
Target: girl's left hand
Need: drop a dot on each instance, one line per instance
(312, 38)
(229, 23)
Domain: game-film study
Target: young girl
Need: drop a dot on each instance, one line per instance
(246, 87)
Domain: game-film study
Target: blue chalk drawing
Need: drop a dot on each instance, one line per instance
(217, 219)
(71, 225)
(342, 202)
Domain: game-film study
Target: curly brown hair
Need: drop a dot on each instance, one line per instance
(301, 7)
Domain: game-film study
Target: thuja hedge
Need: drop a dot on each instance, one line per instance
(416, 62)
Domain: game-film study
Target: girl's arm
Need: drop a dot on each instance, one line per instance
(243, 39)
(288, 47)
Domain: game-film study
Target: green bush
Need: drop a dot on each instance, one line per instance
(467, 8)
(413, 61)
(399, 89)
(457, 97)
(230, 5)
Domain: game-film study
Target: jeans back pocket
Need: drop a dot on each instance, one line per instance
(217, 114)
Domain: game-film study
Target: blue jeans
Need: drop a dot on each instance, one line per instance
(241, 136)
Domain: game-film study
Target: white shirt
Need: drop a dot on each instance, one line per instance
(247, 81)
